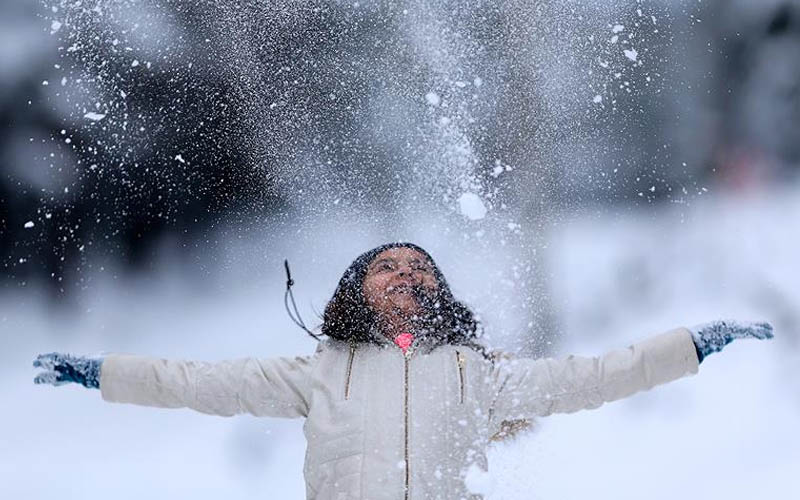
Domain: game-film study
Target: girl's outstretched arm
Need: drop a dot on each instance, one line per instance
(263, 387)
(525, 388)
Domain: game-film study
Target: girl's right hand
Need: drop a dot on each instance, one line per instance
(61, 369)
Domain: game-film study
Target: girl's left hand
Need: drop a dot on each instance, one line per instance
(712, 337)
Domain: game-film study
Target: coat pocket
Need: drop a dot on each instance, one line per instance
(461, 363)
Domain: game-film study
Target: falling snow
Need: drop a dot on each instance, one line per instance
(373, 121)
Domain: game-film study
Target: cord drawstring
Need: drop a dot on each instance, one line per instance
(289, 295)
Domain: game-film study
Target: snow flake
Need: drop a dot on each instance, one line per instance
(55, 26)
(597, 99)
(28, 224)
(433, 98)
(134, 63)
(180, 158)
(95, 117)
(471, 206)
(631, 54)
(617, 28)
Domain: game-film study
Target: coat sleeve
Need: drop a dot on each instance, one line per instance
(526, 388)
(262, 387)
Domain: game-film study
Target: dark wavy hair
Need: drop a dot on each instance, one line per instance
(349, 318)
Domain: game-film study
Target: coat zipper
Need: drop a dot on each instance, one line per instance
(407, 421)
(461, 375)
(349, 371)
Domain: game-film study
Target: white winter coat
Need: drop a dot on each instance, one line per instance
(383, 425)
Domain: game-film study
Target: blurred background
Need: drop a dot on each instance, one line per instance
(586, 173)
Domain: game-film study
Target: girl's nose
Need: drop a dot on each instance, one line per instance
(404, 270)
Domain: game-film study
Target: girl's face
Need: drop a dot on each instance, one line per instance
(395, 279)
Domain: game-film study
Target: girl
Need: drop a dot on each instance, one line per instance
(400, 399)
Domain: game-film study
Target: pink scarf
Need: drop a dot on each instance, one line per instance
(404, 341)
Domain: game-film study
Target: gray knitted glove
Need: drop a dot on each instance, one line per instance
(712, 337)
(64, 368)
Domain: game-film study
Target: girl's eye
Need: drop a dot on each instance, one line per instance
(385, 266)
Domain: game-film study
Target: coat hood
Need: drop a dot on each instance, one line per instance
(348, 317)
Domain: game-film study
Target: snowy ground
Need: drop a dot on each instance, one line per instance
(730, 432)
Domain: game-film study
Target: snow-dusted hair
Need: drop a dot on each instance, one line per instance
(349, 318)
